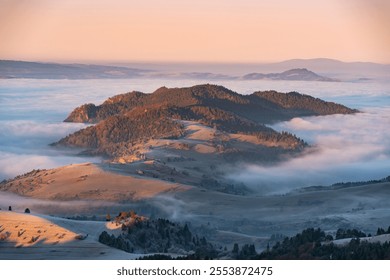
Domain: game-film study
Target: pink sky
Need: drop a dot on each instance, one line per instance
(194, 31)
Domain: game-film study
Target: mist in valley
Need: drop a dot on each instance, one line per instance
(345, 148)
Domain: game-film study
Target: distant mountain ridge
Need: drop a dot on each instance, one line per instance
(36, 70)
(298, 74)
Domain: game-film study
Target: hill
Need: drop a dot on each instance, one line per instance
(261, 107)
(33, 237)
(126, 120)
(38, 70)
(86, 182)
(297, 74)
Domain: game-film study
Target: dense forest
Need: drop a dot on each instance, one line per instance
(316, 244)
(142, 235)
(297, 101)
(169, 240)
(117, 133)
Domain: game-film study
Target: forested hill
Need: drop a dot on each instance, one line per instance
(262, 107)
(130, 118)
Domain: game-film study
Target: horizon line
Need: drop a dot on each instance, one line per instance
(183, 62)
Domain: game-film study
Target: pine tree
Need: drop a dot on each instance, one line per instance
(235, 249)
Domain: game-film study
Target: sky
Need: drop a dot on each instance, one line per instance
(194, 31)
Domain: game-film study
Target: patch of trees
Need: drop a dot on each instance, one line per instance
(84, 218)
(156, 257)
(381, 231)
(284, 139)
(247, 251)
(361, 183)
(295, 100)
(212, 184)
(34, 172)
(116, 134)
(349, 233)
(316, 244)
(157, 236)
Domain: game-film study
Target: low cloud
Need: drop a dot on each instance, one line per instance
(12, 164)
(173, 208)
(344, 148)
(25, 128)
(24, 145)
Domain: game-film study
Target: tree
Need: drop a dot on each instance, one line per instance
(235, 249)
(186, 234)
(9, 208)
(380, 231)
(27, 211)
(248, 251)
(133, 215)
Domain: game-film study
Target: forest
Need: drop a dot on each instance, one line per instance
(169, 240)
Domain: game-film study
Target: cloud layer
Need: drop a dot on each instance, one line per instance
(347, 148)
(344, 148)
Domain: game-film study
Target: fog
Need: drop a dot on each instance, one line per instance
(24, 146)
(345, 148)
(161, 205)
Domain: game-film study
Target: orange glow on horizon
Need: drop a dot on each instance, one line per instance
(194, 31)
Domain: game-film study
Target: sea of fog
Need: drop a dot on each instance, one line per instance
(347, 147)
